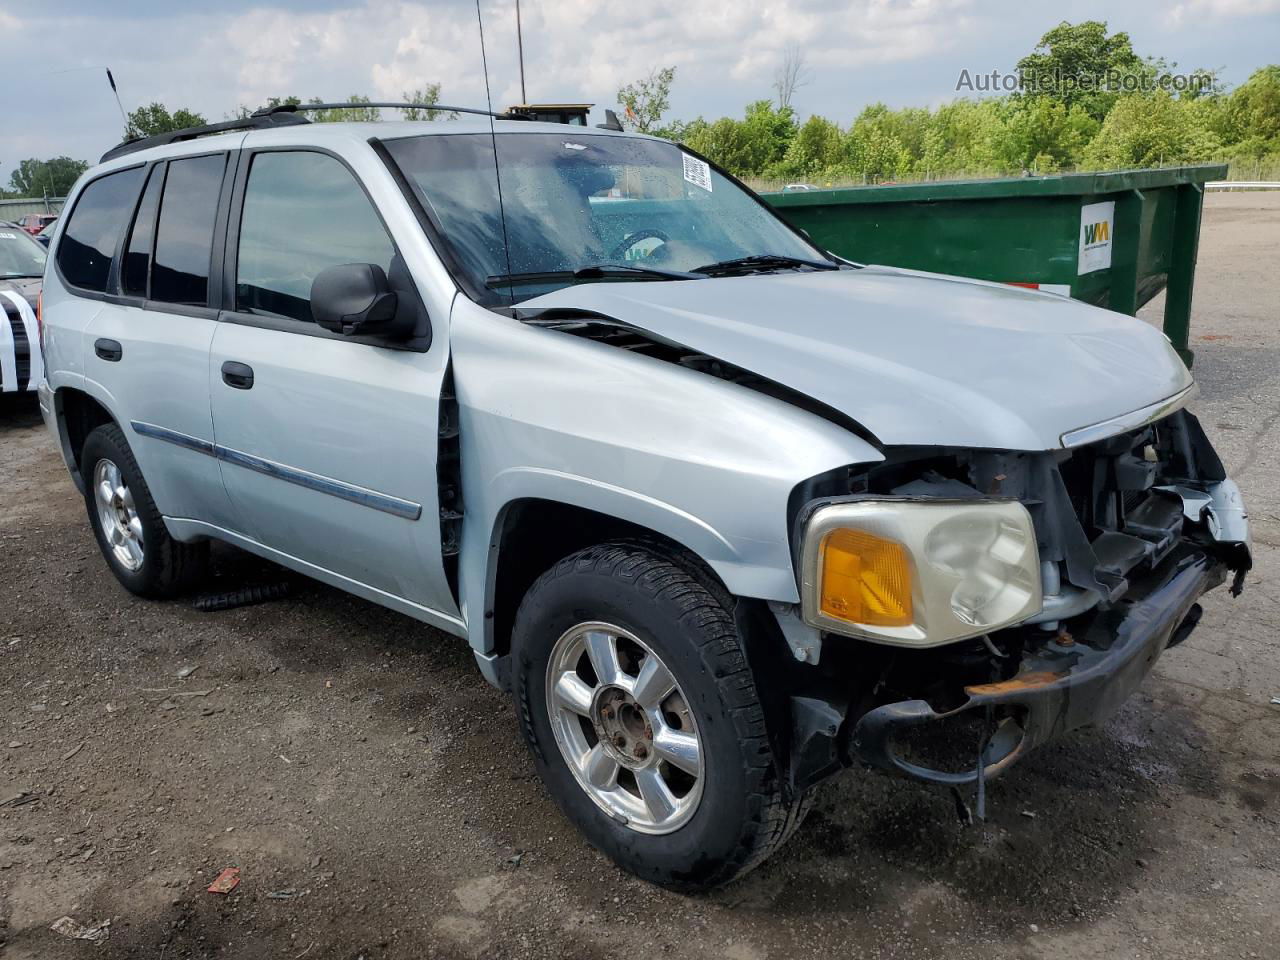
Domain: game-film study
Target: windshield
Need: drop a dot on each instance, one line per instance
(573, 200)
(20, 256)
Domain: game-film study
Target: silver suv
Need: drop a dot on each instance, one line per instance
(725, 513)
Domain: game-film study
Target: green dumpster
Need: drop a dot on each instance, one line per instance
(1111, 239)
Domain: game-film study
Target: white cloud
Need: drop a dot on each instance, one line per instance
(1195, 11)
(214, 58)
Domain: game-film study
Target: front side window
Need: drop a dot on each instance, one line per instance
(303, 212)
(575, 200)
(184, 233)
(89, 241)
(20, 256)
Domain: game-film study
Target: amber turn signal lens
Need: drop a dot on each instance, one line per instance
(865, 579)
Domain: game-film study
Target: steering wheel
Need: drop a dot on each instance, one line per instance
(631, 239)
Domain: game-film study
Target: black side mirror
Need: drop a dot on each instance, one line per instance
(354, 299)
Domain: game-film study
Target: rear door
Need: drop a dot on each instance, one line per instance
(148, 347)
(327, 445)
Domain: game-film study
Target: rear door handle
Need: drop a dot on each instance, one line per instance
(108, 349)
(237, 374)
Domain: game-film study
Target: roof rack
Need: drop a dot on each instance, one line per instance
(256, 121)
(284, 114)
(293, 108)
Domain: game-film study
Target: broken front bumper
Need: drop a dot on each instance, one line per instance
(1062, 683)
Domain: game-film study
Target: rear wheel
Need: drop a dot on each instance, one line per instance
(636, 698)
(127, 523)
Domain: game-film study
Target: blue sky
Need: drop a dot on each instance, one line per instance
(212, 58)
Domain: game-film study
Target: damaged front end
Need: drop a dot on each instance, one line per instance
(1084, 586)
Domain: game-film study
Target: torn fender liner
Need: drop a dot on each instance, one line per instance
(815, 731)
(1057, 688)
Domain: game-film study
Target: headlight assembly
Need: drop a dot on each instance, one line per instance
(919, 573)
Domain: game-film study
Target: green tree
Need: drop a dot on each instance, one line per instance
(873, 146)
(1044, 135)
(1250, 119)
(429, 94)
(816, 147)
(875, 154)
(645, 101)
(962, 137)
(722, 141)
(1151, 131)
(356, 113)
(1072, 55)
(155, 118)
(745, 147)
(768, 131)
(40, 178)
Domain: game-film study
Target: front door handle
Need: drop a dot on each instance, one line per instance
(108, 349)
(237, 374)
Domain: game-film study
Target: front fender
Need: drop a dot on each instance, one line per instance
(703, 462)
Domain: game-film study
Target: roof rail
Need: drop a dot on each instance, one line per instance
(293, 108)
(255, 121)
(283, 114)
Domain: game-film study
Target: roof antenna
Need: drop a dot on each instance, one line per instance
(524, 97)
(497, 173)
(123, 116)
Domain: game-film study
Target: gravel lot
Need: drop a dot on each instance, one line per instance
(375, 795)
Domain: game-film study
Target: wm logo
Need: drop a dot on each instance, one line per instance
(1097, 232)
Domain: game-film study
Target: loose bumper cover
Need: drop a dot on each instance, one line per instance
(1059, 686)
(1067, 681)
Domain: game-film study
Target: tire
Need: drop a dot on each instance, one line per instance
(655, 605)
(160, 567)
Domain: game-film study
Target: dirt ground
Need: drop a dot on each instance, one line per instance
(375, 795)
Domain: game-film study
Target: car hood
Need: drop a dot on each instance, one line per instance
(915, 358)
(27, 287)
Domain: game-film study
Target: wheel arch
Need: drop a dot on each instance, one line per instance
(78, 413)
(531, 533)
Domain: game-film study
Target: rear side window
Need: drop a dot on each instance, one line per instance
(303, 212)
(136, 269)
(91, 235)
(184, 235)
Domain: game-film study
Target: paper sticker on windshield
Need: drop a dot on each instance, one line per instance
(697, 172)
(574, 146)
(8, 236)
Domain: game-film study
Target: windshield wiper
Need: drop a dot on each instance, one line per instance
(762, 261)
(598, 271)
(22, 276)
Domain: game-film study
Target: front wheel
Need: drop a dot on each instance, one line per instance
(635, 696)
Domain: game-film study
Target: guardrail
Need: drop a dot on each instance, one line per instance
(1243, 185)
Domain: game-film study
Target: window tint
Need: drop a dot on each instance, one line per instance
(184, 238)
(89, 241)
(303, 212)
(137, 256)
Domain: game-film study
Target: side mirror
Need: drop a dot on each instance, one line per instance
(354, 299)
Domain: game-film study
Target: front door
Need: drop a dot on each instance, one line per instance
(327, 446)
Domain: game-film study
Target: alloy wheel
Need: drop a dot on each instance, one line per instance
(118, 516)
(625, 728)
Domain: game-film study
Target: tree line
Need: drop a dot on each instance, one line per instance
(1054, 121)
(1045, 126)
